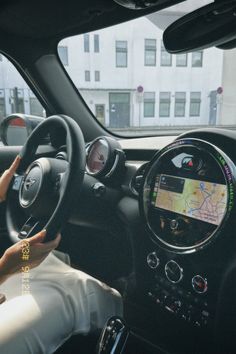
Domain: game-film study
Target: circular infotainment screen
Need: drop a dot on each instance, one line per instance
(187, 194)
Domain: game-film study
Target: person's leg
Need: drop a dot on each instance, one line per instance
(62, 301)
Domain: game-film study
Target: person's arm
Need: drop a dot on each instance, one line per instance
(6, 178)
(26, 253)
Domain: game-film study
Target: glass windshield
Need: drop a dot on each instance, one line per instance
(133, 86)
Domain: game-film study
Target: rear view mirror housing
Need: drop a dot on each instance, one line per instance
(145, 4)
(211, 25)
(15, 128)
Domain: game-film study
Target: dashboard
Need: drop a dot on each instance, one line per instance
(158, 224)
(182, 233)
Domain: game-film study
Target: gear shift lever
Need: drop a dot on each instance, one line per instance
(113, 336)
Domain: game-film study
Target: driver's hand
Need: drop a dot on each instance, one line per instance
(29, 253)
(6, 178)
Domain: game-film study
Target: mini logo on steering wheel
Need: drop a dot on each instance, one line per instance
(29, 183)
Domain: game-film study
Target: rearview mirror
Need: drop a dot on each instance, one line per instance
(16, 128)
(144, 4)
(211, 25)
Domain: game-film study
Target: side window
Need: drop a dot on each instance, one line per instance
(15, 94)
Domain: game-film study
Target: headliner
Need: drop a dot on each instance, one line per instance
(37, 19)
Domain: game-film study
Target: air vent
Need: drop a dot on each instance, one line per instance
(62, 155)
(137, 179)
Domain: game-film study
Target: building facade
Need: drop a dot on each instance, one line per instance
(128, 79)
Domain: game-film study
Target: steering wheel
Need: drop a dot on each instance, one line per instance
(47, 187)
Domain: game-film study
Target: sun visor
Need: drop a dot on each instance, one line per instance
(211, 25)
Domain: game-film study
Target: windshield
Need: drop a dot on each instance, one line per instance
(133, 86)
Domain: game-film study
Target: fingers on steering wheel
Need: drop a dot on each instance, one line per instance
(38, 238)
(50, 245)
(12, 169)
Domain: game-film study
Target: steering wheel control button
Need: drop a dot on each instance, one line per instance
(173, 272)
(23, 234)
(152, 260)
(98, 190)
(17, 183)
(199, 284)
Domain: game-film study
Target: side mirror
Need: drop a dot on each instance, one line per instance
(213, 24)
(15, 129)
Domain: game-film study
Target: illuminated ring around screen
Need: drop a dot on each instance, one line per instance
(227, 169)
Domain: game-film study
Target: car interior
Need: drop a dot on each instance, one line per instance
(149, 210)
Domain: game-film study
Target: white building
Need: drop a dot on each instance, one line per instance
(128, 79)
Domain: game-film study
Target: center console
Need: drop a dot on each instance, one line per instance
(174, 288)
(186, 205)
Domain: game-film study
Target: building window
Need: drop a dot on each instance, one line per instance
(182, 59)
(97, 75)
(149, 104)
(150, 52)
(63, 54)
(166, 58)
(87, 75)
(195, 104)
(96, 43)
(197, 59)
(180, 102)
(164, 104)
(86, 43)
(121, 54)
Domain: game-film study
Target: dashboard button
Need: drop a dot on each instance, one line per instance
(173, 271)
(191, 163)
(199, 284)
(152, 260)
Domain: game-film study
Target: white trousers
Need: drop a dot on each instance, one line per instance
(61, 301)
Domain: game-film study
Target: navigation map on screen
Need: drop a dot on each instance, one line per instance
(201, 200)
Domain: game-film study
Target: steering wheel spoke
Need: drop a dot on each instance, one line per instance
(31, 227)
